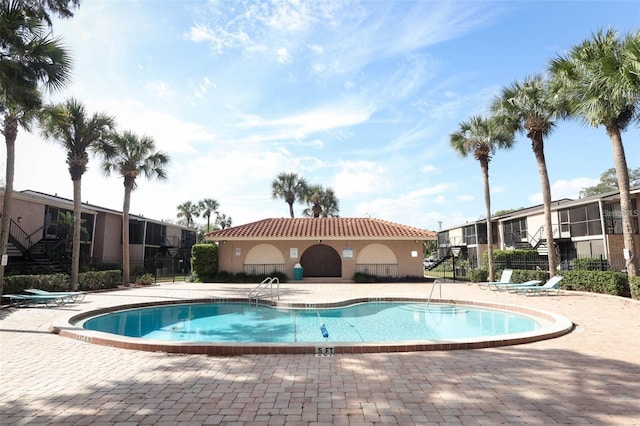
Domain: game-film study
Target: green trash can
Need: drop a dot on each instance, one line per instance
(297, 272)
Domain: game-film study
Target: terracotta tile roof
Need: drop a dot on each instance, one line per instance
(326, 228)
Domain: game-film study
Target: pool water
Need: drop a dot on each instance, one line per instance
(364, 322)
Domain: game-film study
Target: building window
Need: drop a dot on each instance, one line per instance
(136, 231)
(469, 234)
(156, 234)
(585, 220)
(515, 231)
(613, 218)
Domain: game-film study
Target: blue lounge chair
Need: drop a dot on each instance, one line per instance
(25, 300)
(512, 286)
(505, 278)
(70, 296)
(547, 288)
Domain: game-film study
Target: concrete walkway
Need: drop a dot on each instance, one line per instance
(591, 376)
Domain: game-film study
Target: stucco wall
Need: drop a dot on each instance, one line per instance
(232, 255)
(32, 215)
(108, 237)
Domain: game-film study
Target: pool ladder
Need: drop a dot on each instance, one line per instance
(261, 288)
(433, 287)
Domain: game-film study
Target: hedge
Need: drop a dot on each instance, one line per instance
(61, 282)
(204, 262)
(604, 282)
(634, 284)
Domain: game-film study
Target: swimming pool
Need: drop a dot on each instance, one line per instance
(362, 322)
(549, 326)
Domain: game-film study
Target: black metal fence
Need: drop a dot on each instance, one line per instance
(541, 263)
(263, 269)
(378, 269)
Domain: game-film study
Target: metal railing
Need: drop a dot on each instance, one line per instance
(20, 237)
(378, 269)
(267, 283)
(263, 268)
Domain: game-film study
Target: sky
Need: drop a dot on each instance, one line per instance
(357, 96)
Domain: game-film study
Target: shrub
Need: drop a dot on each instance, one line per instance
(590, 264)
(362, 277)
(145, 279)
(634, 284)
(97, 280)
(605, 282)
(204, 262)
(478, 275)
(243, 277)
(60, 282)
(524, 275)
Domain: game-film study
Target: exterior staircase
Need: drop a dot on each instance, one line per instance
(29, 257)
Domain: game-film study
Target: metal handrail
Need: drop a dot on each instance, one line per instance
(20, 236)
(260, 288)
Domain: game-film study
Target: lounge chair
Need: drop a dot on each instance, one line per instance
(34, 299)
(71, 296)
(547, 288)
(505, 278)
(512, 286)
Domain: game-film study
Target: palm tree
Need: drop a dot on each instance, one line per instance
(482, 137)
(31, 60)
(599, 80)
(312, 198)
(66, 223)
(188, 211)
(206, 207)
(290, 187)
(329, 203)
(527, 108)
(223, 221)
(321, 202)
(133, 156)
(78, 133)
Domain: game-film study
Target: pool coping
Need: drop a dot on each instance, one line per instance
(552, 326)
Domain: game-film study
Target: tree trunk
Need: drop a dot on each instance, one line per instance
(77, 223)
(484, 164)
(10, 135)
(622, 174)
(538, 151)
(126, 266)
(291, 209)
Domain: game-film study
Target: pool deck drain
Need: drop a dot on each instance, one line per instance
(587, 377)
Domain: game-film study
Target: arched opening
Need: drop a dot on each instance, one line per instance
(320, 260)
(377, 259)
(263, 259)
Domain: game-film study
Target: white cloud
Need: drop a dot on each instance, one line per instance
(170, 133)
(201, 89)
(465, 198)
(284, 56)
(159, 89)
(565, 189)
(301, 125)
(429, 168)
(359, 177)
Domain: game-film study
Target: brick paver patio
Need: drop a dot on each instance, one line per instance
(591, 376)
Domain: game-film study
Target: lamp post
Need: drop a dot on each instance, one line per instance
(455, 251)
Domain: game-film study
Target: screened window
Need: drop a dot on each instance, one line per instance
(156, 234)
(514, 231)
(613, 218)
(585, 220)
(469, 234)
(136, 231)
